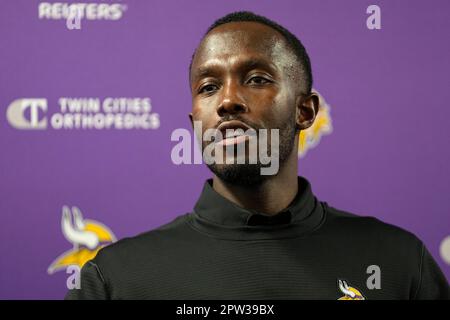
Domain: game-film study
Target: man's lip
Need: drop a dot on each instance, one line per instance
(232, 141)
(233, 124)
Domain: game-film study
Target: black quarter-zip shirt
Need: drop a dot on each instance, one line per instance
(310, 250)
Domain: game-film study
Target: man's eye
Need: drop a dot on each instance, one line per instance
(258, 80)
(207, 88)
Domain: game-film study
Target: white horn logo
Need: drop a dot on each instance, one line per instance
(77, 235)
(350, 293)
(86, 236)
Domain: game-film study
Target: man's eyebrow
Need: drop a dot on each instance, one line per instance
(204, 71)
(211, 69)
(257, 63)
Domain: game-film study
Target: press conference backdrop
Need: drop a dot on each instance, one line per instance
(91, 96)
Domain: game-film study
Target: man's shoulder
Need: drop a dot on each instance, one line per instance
(152, 242)
(360, 226)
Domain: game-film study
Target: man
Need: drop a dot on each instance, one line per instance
(254, 235)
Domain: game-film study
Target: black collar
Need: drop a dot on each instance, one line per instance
(219, 217)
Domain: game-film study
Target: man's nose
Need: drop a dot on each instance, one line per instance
(232, 101)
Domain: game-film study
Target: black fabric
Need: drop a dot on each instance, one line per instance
(222, 251)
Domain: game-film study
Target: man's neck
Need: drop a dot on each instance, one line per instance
(270, 197)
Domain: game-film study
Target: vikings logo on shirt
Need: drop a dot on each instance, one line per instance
(350, 293)
(310, 137)
(86, 236)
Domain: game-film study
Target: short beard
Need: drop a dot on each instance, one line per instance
(250, 174)
(239, 174)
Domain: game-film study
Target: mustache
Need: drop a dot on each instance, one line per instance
(251, 124)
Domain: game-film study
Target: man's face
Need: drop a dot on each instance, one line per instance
(244, 71)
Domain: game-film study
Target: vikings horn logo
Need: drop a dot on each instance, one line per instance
(310, 137)
(350, 293)
(87, 237)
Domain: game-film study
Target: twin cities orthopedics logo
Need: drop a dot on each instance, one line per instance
(83, 113)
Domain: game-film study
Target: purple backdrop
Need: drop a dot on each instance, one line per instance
(387, 89)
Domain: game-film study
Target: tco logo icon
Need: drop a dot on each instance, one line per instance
(17, 109)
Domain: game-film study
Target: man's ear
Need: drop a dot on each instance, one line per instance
(192, 120)
(307, 109)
